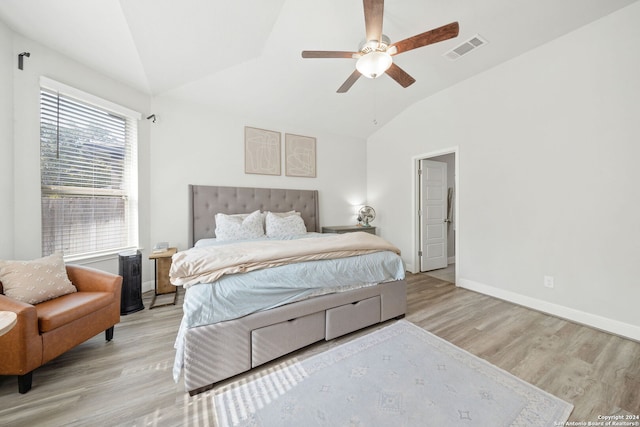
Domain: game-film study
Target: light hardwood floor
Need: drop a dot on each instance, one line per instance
(448, 274)
(128, 381)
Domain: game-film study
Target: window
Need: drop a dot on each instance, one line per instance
(88, 164)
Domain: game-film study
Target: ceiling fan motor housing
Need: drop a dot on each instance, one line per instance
(368, 46)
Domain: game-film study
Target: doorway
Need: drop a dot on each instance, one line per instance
(436, 239)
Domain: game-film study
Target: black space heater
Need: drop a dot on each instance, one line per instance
(131, 272)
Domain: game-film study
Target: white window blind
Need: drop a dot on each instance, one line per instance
(88, 163)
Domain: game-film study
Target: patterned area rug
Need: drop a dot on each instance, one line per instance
(400, 375)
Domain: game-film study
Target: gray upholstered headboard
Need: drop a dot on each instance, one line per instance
(206, 201)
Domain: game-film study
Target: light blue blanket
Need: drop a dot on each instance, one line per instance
(241, 294)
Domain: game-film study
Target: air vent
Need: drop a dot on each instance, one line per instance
(465, 47)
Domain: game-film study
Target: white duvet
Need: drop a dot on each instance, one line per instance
(208, 264)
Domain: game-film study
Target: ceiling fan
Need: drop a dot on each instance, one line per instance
(375, 54)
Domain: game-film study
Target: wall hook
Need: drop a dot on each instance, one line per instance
(21, 59)
(153, 116)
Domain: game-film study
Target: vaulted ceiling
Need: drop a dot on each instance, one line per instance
(244, 57)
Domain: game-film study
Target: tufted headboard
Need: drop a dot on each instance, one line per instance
(206, 201)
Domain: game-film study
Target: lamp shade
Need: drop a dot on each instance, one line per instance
(373, 64)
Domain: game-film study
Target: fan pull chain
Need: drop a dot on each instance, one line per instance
(375, 106)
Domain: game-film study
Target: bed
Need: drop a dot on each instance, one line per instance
(211, 351)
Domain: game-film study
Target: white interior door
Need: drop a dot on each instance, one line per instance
(433, 215)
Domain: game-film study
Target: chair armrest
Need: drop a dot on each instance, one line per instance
(24, 311)
(87, 279)
(21, 347)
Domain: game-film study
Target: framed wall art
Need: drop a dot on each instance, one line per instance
(300, 155)
(261, 151)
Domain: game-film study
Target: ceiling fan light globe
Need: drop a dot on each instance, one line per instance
(374, 64)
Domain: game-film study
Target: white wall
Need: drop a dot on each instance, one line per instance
(195, 144)
(548, 174)
(6, 142)
(24, 175)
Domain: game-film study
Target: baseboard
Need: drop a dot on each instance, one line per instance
(148, 286)
(451, 260)
(602, 323)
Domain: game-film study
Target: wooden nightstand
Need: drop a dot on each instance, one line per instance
(162, 284)
(348, 229)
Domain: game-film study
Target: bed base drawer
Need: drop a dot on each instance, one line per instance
(351, 317)
(276, 340)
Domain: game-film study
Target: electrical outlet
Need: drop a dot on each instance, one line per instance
(548, 282)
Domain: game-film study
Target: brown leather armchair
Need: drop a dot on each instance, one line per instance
(46, 330)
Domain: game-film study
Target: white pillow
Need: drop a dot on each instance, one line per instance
(36, 281)
(239, 226)
(283, 214)
(291, 224)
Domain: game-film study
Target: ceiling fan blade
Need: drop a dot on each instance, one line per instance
(436, 35)
(327, 54)
(349, 82)
(373, 12)
(401, 76)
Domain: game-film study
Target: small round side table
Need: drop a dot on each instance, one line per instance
(8, 320)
